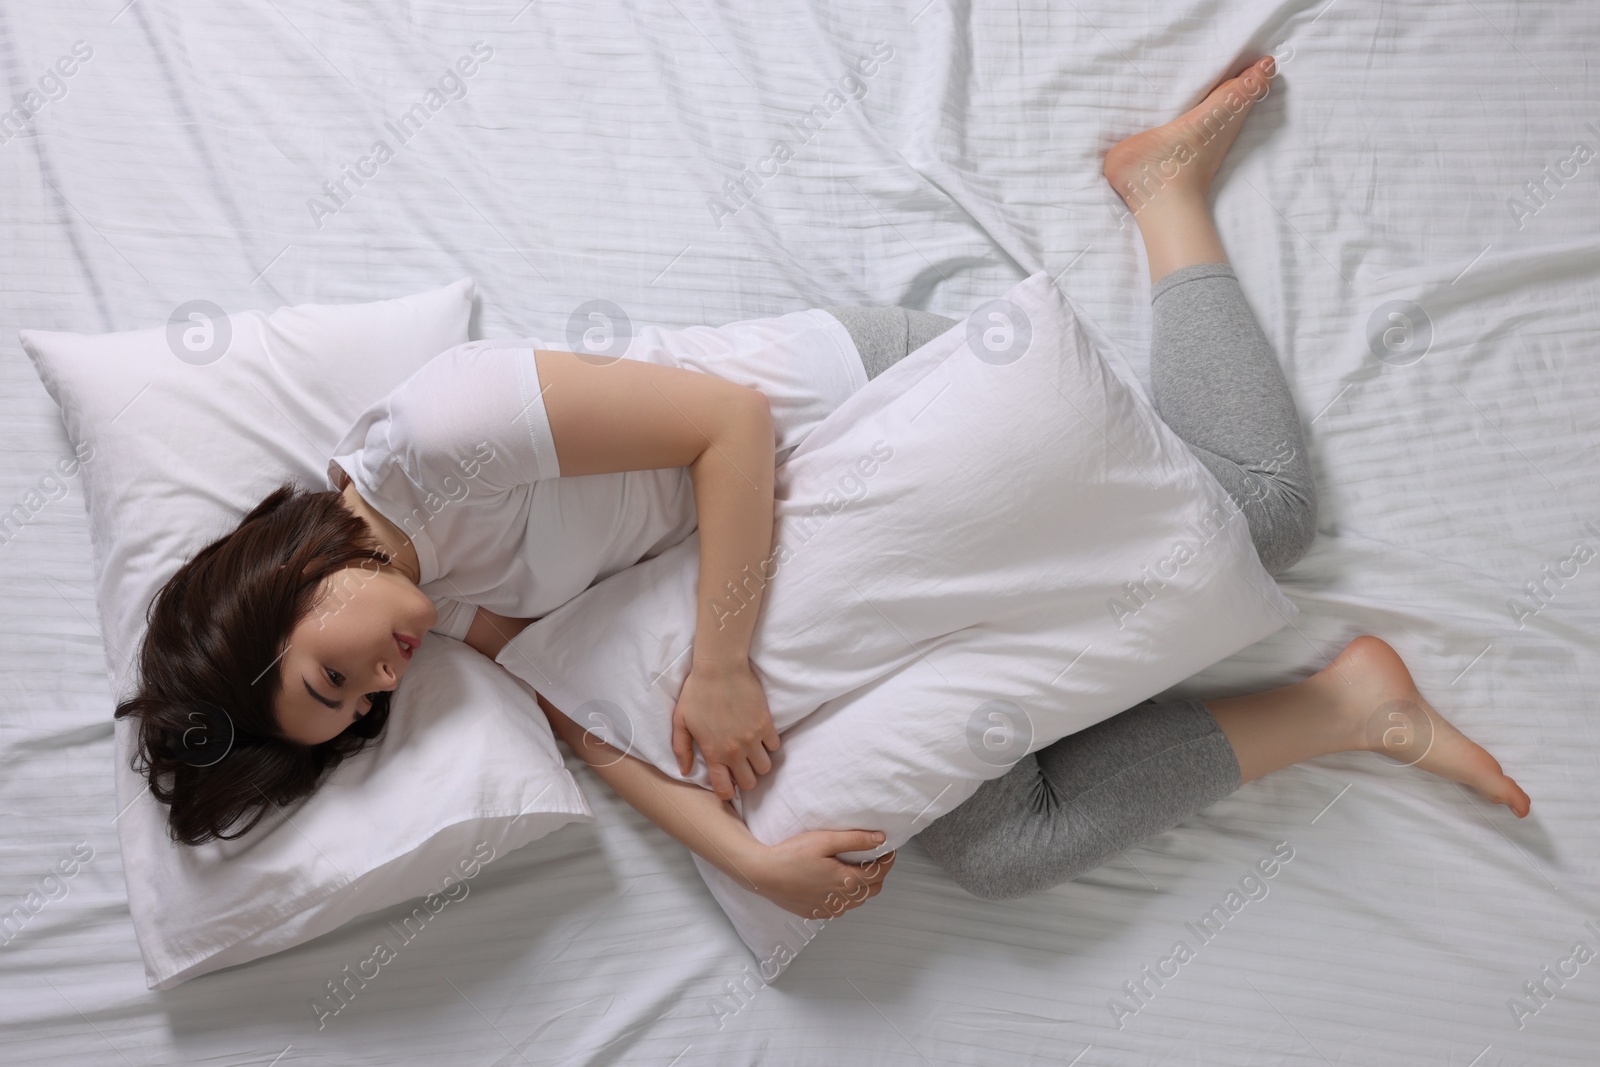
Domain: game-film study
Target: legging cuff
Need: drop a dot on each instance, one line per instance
(1192, 273)
(1217, 743)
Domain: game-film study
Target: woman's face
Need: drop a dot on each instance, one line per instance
(346, 648)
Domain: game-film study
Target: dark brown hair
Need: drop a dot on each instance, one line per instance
(209, 741)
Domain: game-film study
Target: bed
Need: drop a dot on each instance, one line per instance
(1413, 213)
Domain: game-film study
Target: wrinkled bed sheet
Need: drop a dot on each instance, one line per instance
(702, 163)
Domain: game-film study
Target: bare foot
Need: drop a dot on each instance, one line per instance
(1381, 706)
(1184, 154)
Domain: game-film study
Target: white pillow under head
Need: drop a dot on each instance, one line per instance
(181, 430)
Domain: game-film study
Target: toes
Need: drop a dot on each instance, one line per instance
(1519, 802)
(1509, 793)
(1254, 79)
(1263, 69)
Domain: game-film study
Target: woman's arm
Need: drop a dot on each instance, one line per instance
(634, 415)
(799, 874)
(733, 481)
(693, 816)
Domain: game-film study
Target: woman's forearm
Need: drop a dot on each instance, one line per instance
(733, 482)
(709, 827)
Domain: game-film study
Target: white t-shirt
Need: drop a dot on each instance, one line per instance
(460, 456)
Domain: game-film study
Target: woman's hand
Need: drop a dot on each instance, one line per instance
(801, 875)
(724, 711)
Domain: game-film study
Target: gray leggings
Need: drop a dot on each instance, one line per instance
(1074, 804)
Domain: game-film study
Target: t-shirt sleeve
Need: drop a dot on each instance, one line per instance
(455, 618)
(470, 421)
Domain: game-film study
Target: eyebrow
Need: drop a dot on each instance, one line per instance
(324, 701)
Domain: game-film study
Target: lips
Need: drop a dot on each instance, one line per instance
(406, 643)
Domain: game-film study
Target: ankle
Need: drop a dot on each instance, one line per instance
(1345, 714)
(1179, 233)
(1174, 205)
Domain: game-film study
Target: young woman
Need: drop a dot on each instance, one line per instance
(315, 596)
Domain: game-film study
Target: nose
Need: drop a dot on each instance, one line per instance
(386, 677)
(384, 682)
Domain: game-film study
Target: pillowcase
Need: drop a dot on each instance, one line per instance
(995, 543)
(184, 428)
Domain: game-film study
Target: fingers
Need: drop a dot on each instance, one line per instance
(738, 771)
(721, 783)
(878, 869)
(873, 872)
(828, 886)
(868, 883)
(745, 768)
(760, 762)
(743, 774)
(860, 884)
(838, 841)
(682, 743)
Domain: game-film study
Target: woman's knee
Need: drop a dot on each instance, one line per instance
(977, 866)
(1284, 523)
(994, 888)
(985, 844)
(1023, 866)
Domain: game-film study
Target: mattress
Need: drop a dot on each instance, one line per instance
(705, 163)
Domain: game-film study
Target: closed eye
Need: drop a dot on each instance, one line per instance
(338, 680)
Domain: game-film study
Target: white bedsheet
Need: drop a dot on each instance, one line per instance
(186, 158)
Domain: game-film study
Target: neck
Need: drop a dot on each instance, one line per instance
(402, 554)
